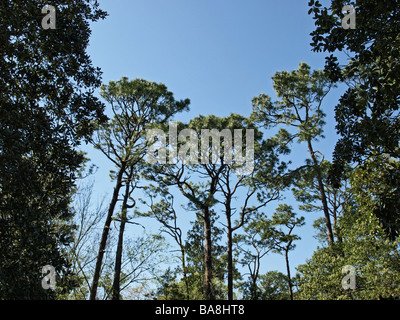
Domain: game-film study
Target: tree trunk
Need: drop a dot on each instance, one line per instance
(335, 217)
(118, 256)
(288, 270)
(254, 277)
(209, 294)
(230, 255)
(104, 236)
(118, 262)
(323, 195)
(185, 279)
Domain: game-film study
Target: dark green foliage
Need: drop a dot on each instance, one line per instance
(270, 286)
(46, 106)
(376, 188)
(366, 248)
(367, 115)
(169, 288)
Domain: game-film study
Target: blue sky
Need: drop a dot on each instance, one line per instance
(219, 54)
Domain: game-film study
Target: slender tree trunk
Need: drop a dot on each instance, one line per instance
(118, 262)
(185, 279)
(335, 216)
(323, 195)
(230, 254)
(104, 236)
(254, 278)
(288, 270)
(118, 256)
(209, 294)
(209, 290)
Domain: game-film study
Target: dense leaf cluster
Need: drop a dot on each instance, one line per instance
(47, 101)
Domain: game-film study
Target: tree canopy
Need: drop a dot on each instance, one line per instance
(47, 85)
(201, 208)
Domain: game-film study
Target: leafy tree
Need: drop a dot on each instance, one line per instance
(191, 286)
(136, 105)
(196, 266)
(169, 288)
(364, 246)
(376, 189)
(260, 237)
(306, 191)
(183, 173)
(301, 93)
(274, 286)
(271, 286)
(264, 184)
(285, 218)
(260, 186)
(367, 114)
(217, 183)
(47, 101)
(232, 180)
(201, 197)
